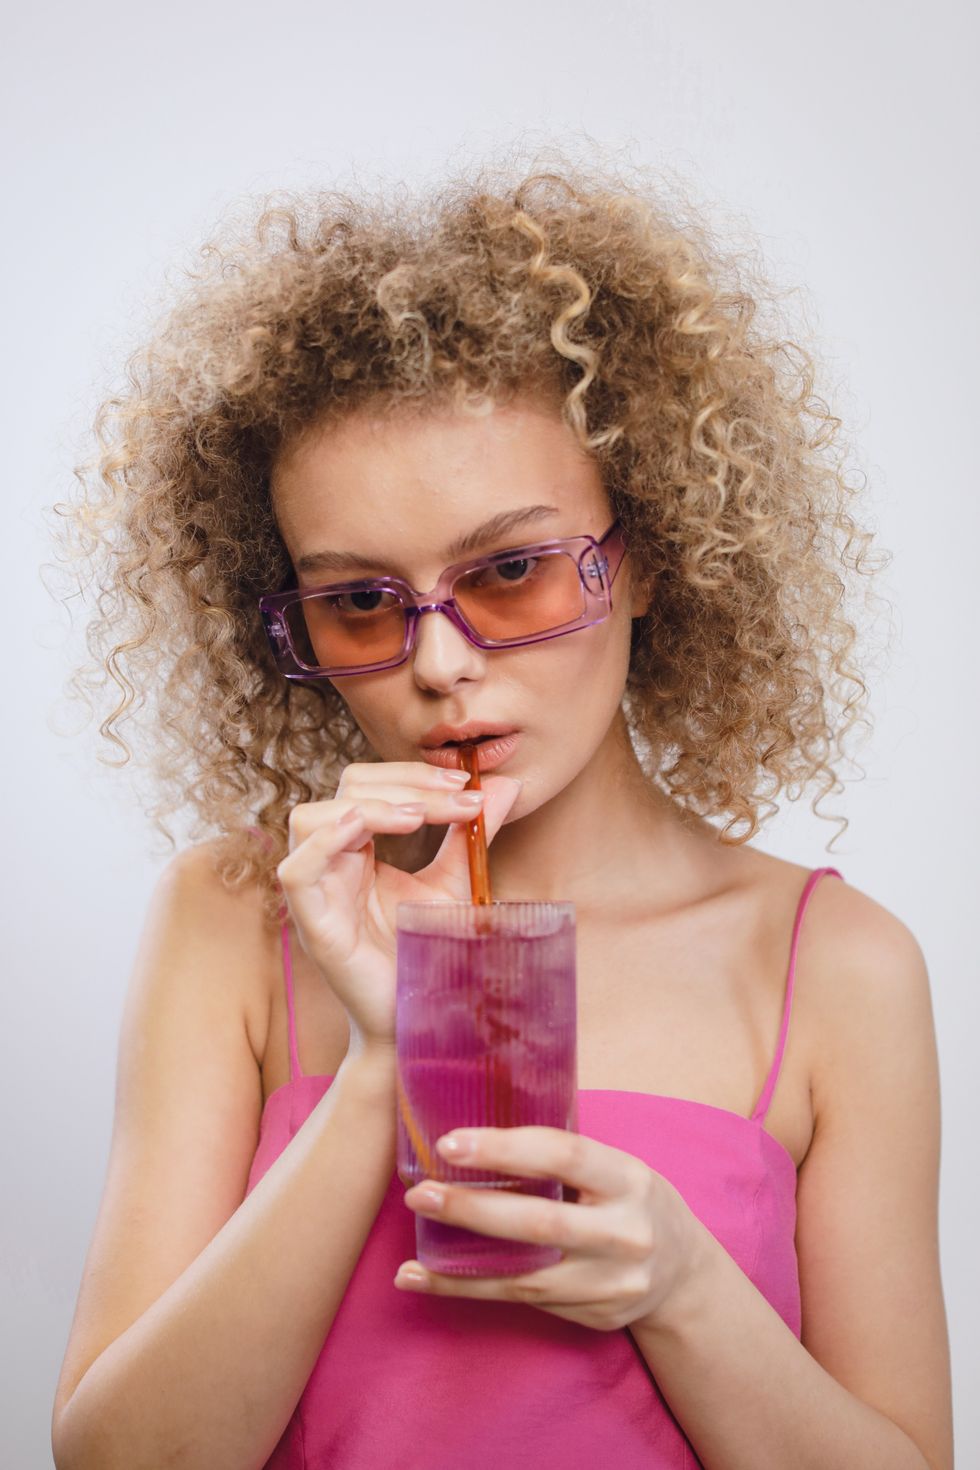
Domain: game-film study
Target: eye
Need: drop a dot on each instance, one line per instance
(519, 570)
(364, 601)
(513, 571)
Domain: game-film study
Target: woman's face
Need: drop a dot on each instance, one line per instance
(398, 492)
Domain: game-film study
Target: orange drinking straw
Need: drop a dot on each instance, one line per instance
(476, 852)
(476, 836)
(429, 1163)
(476, 841)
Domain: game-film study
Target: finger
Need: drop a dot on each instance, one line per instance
(535, 1152)
(348, 826)
(406, 773)
(568, 1284)
(508, 1215)
(441, 807)
(437, 807)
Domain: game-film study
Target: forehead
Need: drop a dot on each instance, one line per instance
(403, 487)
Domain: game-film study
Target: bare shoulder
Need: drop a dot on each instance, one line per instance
(243, 947)
(246, 965)
(864, 984)
(861, 999)
(857, 928)
(855, 958)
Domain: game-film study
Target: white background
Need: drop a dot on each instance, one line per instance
(842, 136)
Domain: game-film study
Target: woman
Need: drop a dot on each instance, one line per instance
(337, 442)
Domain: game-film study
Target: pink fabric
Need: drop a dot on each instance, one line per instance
(408, 1381)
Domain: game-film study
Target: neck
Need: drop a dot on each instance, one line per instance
(588, 843)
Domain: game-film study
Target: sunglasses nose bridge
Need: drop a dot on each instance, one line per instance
(450, 610)
(447, 607)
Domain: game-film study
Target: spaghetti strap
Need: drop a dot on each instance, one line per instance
(762, 1106)
(295, 1070)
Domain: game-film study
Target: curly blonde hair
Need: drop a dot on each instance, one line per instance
(725, 469)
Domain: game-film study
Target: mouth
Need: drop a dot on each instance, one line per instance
(492, 751)
(470, 732)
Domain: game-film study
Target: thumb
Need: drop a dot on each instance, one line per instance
(450, 867)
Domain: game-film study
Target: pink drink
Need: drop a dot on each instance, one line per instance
(486, 1037)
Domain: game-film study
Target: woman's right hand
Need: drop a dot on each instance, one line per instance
(343, 902)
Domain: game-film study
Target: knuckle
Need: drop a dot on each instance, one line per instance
(638, 1283)
(529, 1291)
(637, 1242)
(606, 1238)
(545, 1230)
(576, 1147)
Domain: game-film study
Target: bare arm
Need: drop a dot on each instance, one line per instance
(201, 1312)
(869, 1385)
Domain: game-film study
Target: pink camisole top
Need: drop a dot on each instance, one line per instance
(410, 1382)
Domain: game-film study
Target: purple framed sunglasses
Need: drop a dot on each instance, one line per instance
(523, 595)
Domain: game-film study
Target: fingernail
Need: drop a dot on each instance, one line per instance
(431, 1197)
(471, 798)
(454, 778)
(455, 1146)
(409, 1276)
(412, 808)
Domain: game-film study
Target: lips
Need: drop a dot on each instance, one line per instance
(472, 732)
(490, 753)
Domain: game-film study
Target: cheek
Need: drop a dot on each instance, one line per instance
(593, 662)
(371, 708)
(581, 677)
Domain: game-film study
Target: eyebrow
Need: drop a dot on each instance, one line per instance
(492, 530)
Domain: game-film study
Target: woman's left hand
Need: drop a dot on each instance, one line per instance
(628, 1242)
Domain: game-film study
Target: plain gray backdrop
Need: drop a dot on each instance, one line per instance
(843, 139)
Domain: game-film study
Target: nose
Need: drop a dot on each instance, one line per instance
(443, 656)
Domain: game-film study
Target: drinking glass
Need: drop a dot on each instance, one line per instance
(485, 1037)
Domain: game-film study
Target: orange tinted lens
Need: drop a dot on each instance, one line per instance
(344, 629)
(515, 599)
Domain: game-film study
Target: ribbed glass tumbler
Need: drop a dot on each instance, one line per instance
(486, 1038)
